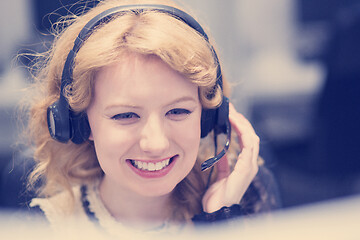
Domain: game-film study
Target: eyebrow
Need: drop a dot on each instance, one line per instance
(181, 99)
(120, 105)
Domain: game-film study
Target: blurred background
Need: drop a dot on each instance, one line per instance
(295, 67)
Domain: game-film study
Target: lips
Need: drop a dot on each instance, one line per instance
(152, 168)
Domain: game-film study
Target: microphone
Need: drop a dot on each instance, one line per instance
(211, 161)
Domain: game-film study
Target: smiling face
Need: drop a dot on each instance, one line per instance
(145, 123)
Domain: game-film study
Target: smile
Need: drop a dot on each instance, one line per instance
(151, 166)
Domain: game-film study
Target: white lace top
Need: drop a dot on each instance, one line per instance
(77, 221)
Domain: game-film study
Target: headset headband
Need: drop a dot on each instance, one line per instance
(107, 15)
(64, 124)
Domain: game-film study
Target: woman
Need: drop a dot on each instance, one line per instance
(139, 86)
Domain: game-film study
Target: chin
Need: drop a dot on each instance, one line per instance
(156, 190)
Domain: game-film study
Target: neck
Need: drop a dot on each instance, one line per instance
(132, 208)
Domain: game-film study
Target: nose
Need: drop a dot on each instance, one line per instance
(154, 140)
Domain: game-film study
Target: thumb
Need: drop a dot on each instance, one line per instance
(223, 168)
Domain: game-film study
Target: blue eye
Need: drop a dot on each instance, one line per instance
(178, 113)
(129, 116)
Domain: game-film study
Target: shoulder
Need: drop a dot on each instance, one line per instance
(60, 206)
(65, 215)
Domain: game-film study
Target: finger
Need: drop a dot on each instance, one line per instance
(223, 169)
(249, 141)
(246, 136)
(236, 116)
(247, 161)
(243, 128)
(242, 176)
(249, 152)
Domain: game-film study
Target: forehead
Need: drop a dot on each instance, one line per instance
(138, 76)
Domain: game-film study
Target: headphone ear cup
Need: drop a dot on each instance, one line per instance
(208, 121)
(215, 119)
(80, 128)
(58, 122)
(222, 116)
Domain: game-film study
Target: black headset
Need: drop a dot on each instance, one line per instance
(65, 125)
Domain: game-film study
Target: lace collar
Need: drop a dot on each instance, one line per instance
(101, 218)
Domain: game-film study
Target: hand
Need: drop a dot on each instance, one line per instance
(229, 188)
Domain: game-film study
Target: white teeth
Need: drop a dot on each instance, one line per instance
(150, 166)
(158, 166)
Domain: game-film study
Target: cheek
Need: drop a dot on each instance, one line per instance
(111, 139)
(107, 138)
(111, 146)
(189, 136)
